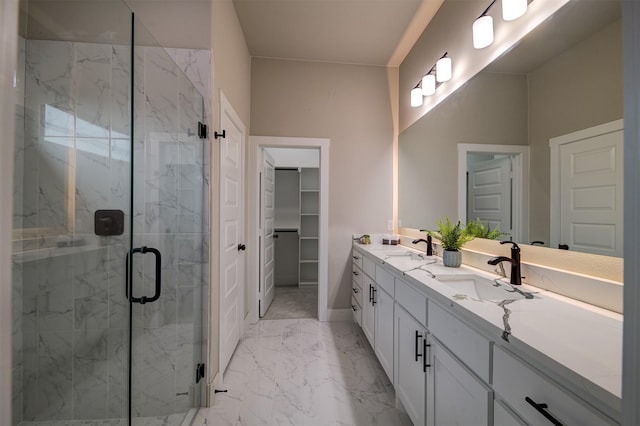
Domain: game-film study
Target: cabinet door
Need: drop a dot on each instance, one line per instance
(384, 330)
(502, 416)
(457, 397)
(368, 312)
(409, 375)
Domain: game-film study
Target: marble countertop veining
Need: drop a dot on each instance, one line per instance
(573, 335)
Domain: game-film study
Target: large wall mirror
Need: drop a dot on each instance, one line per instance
(562, 79)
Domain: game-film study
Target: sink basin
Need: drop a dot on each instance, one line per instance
(479, 288)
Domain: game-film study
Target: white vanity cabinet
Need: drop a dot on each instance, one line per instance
(410, 368)
(536, 398)
(368, 309)
(412, 343)
(455, 396)
(377, 302)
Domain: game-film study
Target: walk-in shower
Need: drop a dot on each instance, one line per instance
(111, 199)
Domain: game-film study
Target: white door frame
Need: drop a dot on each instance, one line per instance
(520, 198)
(255, 144)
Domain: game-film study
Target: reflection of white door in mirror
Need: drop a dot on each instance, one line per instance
(489, 192)
(516, 195)
(587, 189)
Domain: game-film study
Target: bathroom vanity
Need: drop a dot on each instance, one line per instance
(462, 346)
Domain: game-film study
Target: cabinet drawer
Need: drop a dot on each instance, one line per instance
(513, 381)
(385, 280)
(357, 275)
(412, 301)
(369, 267)
(357, 311)
(357, 259)
(470, 347)
(356, 292)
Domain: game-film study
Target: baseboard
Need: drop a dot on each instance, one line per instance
(339, 314)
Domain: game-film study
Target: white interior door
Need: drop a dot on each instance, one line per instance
(231, 231)
(489, 193)
(591, 198)
(267, 215)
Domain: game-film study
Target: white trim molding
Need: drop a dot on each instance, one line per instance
(631, 326)
(253, 175)
(520, 198)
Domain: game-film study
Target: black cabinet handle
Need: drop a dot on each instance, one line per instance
(370, 293)
(355, 290)
(373, 299)
(541, 408)
(356, 273)
(354, 308)
(418, 337)
(425, 364)
(356, 257)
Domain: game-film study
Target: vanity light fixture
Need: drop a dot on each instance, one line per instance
(429, 84)
(483, 29)
(439, 72)
(416, 96)
(513, 9)
(443, 69)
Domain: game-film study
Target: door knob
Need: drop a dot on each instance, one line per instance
(241, 247)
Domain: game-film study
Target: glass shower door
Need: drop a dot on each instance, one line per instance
(169, 256)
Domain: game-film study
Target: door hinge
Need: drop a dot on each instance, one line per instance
(202, 130)
(200, 368)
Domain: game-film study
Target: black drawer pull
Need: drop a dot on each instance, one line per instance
(373, 299)
(354, 308)
(370, 293)
(356, 273)
(425, 345)
(355, 290)
(356, 258)
(541, 408)
(418, 337)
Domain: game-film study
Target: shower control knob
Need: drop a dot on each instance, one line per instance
(242, 247)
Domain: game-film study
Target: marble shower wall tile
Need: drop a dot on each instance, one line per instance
(91, 374)
(161, 89)
(55, 372)
(90, 294)
(92, 191)
(17, 342)
(92, 81)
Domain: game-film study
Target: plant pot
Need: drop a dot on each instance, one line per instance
(452, 258)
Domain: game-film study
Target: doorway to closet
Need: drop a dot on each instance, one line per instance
(290, 192)
(288, 209)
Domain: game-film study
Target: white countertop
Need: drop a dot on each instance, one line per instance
(584, 339)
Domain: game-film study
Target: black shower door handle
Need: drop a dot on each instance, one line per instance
(144, 299)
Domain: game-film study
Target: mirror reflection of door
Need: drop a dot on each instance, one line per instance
(489, 191)
(588, 187)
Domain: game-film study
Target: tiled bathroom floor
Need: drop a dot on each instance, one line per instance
(304, 372)
(292, 302)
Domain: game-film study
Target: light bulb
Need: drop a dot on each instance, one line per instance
(513, 9)
(416, 97)
(483, 32)
(443, 69)
(428, 85)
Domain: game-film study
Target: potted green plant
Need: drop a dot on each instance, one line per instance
(479, 230)
(452, 237)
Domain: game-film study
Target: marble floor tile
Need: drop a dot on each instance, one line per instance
(293, 303)
(305, 373)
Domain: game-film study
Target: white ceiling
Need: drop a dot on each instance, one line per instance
(370, 32)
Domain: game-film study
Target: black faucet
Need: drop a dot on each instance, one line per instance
(429, 244)
(516, 276)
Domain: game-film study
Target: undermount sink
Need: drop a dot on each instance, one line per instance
(480, 288)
